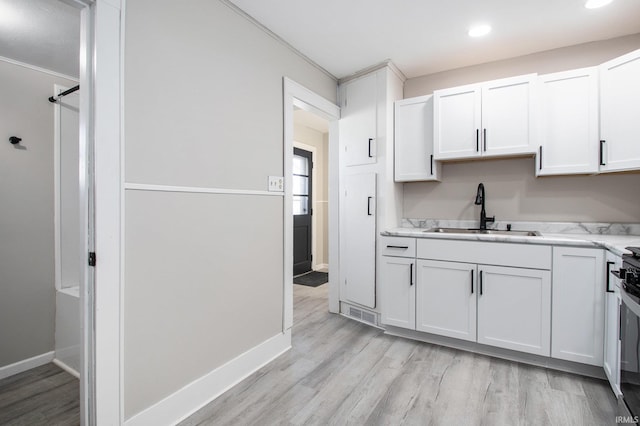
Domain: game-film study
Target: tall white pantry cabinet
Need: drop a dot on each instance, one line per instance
(370, 200)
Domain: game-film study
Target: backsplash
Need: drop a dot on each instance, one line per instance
(600, 228)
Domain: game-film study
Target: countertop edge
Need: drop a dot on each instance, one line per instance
(616, 245)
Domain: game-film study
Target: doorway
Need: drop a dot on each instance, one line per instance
(302, 211)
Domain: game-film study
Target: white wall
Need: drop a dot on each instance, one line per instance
(513, 193)
(203, 271)
(319, 141)
(27, 292)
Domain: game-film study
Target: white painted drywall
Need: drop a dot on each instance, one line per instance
(27, 291)
(513, 193)
(203, 272)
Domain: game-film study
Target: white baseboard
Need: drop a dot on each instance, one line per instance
(321, 266)
(197, 394)
(66, 368)
(26, 364)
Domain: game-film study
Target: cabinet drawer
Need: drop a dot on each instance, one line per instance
(487, 253)
(398, 246)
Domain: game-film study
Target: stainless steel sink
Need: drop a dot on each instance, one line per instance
(483, 232)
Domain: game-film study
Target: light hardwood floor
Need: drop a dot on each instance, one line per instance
(342, 372)
(46, 395)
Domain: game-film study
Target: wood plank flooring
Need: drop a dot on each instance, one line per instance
(341, 372)
(46, 395)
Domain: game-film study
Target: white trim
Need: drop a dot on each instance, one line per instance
(372, 69)
(35, 68)
(197, 190)
(300, 96)
(314, 192)
(321, 266)
(66, 368)
(276, 37)
(186, 401)
(26, 364)
(107, 309)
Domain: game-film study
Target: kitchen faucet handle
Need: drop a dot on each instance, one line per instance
(491, 219)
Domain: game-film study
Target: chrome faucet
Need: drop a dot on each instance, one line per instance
(480, 197)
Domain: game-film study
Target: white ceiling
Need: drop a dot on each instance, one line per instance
(45, 33)
(426, 36)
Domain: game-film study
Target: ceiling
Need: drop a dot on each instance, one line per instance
(343, 37)
(427, 36)
(44, 33)
(309, 119)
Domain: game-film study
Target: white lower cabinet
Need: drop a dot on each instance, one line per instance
(398, 302)
(578, 305)
(514, 308)
(446, 299)
(611, 361)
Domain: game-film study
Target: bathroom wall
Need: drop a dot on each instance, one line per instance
(27, 291)
(513, 193)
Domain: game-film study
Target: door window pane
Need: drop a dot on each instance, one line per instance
(300, 204)
(300, 166)
(300, 185)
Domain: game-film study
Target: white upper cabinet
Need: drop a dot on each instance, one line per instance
(620, 113)
(358, 122)
(413, 140)
(489, 119)
(568, 120)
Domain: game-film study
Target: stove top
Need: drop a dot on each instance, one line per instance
(632, 259)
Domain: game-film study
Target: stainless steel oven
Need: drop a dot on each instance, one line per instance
(630, 331)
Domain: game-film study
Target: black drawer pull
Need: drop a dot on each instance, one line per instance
(370, 156)
(369, 206)
(480, 283)
(540, 159)
(472, 281)
(609, 276)
(484, 131)
(477, 140)
(399, 247)
(602, 142)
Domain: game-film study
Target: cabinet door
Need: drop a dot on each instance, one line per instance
(619, 106)
(514, 308)
(578, 305)
(359, 235)
(457, 117)
(611, 362)
(358, 121)
(568, 120)
(446, 299)
(398, 300)
(413, 140)
(507, 116)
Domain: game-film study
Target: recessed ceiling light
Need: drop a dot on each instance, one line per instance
(479, 30)
(594, 4)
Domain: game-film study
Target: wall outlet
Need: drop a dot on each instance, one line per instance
(276, 183)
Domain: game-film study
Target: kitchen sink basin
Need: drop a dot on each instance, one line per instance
(483, 232)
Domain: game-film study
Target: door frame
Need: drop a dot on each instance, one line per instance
(301, 97)
(314, 222)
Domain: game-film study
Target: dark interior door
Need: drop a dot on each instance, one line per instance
(302, 211)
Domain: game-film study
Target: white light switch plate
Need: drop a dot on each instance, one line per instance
(276, 183)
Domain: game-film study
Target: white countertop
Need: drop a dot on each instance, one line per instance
(614, 243)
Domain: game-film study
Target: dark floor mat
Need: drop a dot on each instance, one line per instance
(312, 279)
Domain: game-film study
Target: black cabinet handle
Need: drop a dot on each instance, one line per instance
(411, 274)
(602, 142)
(484, 139)
(480, 283)
(369, 206)
(370, 156)
(472, 281)
(619, 323)
(609, 276)
(540, 159)
(399, 247)
(477, 140)
(431, 164)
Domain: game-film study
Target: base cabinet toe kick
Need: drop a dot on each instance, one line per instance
(546, 303)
